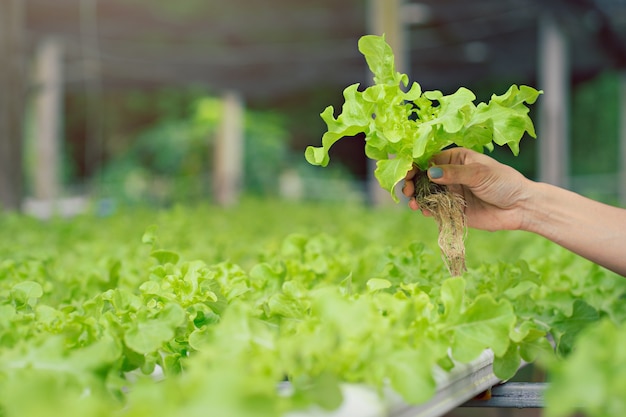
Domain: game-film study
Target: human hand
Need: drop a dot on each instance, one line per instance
(494, 193)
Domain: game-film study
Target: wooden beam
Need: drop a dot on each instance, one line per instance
(48, 105)
(554, 80)
(385, 17)
(11, 103)
(228, 151)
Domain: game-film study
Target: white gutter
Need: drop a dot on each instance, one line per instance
(462, 383)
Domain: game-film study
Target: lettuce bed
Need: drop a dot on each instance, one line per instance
(227, 304)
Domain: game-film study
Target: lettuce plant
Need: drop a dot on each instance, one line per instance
(405, 127)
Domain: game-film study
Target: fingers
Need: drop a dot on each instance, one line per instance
(409, 188)
(411, 174)
(413, 205)
(468, 175)
(456, 155)
(445, 157)
(453, 158)
(455, 167)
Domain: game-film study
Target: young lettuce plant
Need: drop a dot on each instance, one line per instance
(405, 127)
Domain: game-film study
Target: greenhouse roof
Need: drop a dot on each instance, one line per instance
(273, 48)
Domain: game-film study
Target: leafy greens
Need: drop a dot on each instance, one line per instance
(86, 314)
(403, 128)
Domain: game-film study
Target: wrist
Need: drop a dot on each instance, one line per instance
(541, 209)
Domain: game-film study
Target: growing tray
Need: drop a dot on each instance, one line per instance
(462, 383)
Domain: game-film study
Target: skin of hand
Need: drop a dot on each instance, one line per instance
(493, 192)
(500, 198)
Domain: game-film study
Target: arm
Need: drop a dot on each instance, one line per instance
(500, 198)
(591, 229)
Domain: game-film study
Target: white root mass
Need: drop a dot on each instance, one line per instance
(448, 210)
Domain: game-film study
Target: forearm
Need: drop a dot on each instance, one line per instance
(591, 229)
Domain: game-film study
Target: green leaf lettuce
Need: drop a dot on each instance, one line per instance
(403, 127)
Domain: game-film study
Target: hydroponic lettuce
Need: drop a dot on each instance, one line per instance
(407, 128)
(403, 128)
(591, 379)
(89, 309)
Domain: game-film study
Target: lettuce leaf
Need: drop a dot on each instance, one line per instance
(406, 128)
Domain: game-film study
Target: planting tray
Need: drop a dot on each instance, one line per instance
(462, 383)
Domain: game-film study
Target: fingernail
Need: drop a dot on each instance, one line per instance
(435, 172)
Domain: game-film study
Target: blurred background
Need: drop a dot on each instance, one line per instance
(113, 102)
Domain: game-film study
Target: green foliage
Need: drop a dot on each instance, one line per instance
(229, 304)
(168, 161)
(592, 378)
(595, 125)
(595, 136)
(406, 128)
(171, 159)
(266, 152)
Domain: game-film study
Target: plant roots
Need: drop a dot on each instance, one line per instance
(448, 209)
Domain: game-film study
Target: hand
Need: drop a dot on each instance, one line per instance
(494, 193)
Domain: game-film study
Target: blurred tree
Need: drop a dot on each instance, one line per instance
(595, 149)
(595, 124)
(170, 159)
(126, 113)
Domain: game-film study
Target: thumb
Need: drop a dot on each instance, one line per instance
(468, 175)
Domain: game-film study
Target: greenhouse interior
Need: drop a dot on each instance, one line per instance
(203, 207)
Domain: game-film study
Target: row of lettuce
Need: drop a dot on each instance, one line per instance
(206, 311)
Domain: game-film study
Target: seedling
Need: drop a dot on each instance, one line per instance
(405, 127)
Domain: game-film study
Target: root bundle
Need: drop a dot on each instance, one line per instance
(447, 208)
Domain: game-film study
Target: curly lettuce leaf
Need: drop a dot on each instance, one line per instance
(405, 128)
